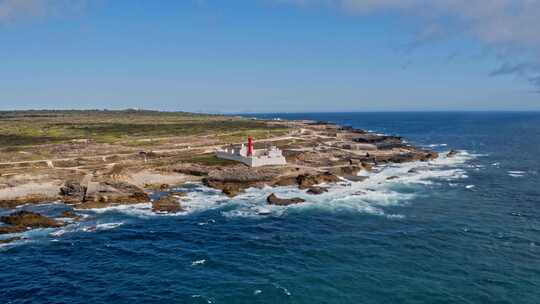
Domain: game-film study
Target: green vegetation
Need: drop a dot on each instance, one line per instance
(31, 128)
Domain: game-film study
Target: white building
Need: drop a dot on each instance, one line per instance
(259, 157)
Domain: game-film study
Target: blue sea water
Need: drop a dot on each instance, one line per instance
(460, 230)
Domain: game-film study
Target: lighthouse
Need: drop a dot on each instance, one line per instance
(271, 156)
(250, 146)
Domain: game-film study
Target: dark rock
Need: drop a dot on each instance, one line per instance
(356, 178)
(112, 193)
(274, 200)
(410, 157)
(452, 153)
(29, 199)
(7, 241)
(169, 204)
(93, 204)
(27, 219)
(392, 177)
(370, 138)
(317, 190)
(12, 229)
(233, 181)
(70, 214)
(306, 181)
(74, 190)
(346, 170)
(229, 189)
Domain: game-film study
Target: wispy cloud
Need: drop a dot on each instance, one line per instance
(509, 27)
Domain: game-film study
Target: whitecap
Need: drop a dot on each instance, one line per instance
(108, 226)
(210, 221)
(516, 173)
(58, 232)
(437, 145)
(198, 262)
(283, 289)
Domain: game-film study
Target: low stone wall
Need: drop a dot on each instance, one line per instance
(253, 161)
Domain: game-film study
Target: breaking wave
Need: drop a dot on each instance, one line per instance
(370, 196)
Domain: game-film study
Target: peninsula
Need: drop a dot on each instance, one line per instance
(97, 159)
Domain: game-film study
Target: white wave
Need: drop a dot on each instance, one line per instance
(198, 262)
(369, 196)
(470, 186)
(283, 289)
(210, 221)
(109, 226)
(516, 173)
(59, 232)
(437, 145)
(202, 297)
(15, 243)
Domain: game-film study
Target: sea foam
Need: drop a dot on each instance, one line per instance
(370, 196)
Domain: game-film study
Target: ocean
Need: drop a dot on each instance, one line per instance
(455, 230)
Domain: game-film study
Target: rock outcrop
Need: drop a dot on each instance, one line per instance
(70, 214)
(9, 240)
(317, 190)
(24, 220)
(272, 199)
(27, 199)
(236, 180)
(410, 157)
(12, 229)
(356, 178)
(104, 195)
(73, 191)
(306, 181)
(346, 170)
(167, 204)
(452, 153)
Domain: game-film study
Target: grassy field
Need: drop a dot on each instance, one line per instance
(31, 128)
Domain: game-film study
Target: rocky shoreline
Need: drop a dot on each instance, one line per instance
(317, 153)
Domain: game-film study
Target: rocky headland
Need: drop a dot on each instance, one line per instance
(318, 154)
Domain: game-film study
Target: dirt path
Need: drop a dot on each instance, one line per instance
(50, 162)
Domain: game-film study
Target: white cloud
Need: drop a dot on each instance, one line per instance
(509, 27)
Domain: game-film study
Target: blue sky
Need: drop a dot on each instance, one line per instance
(261, 56)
